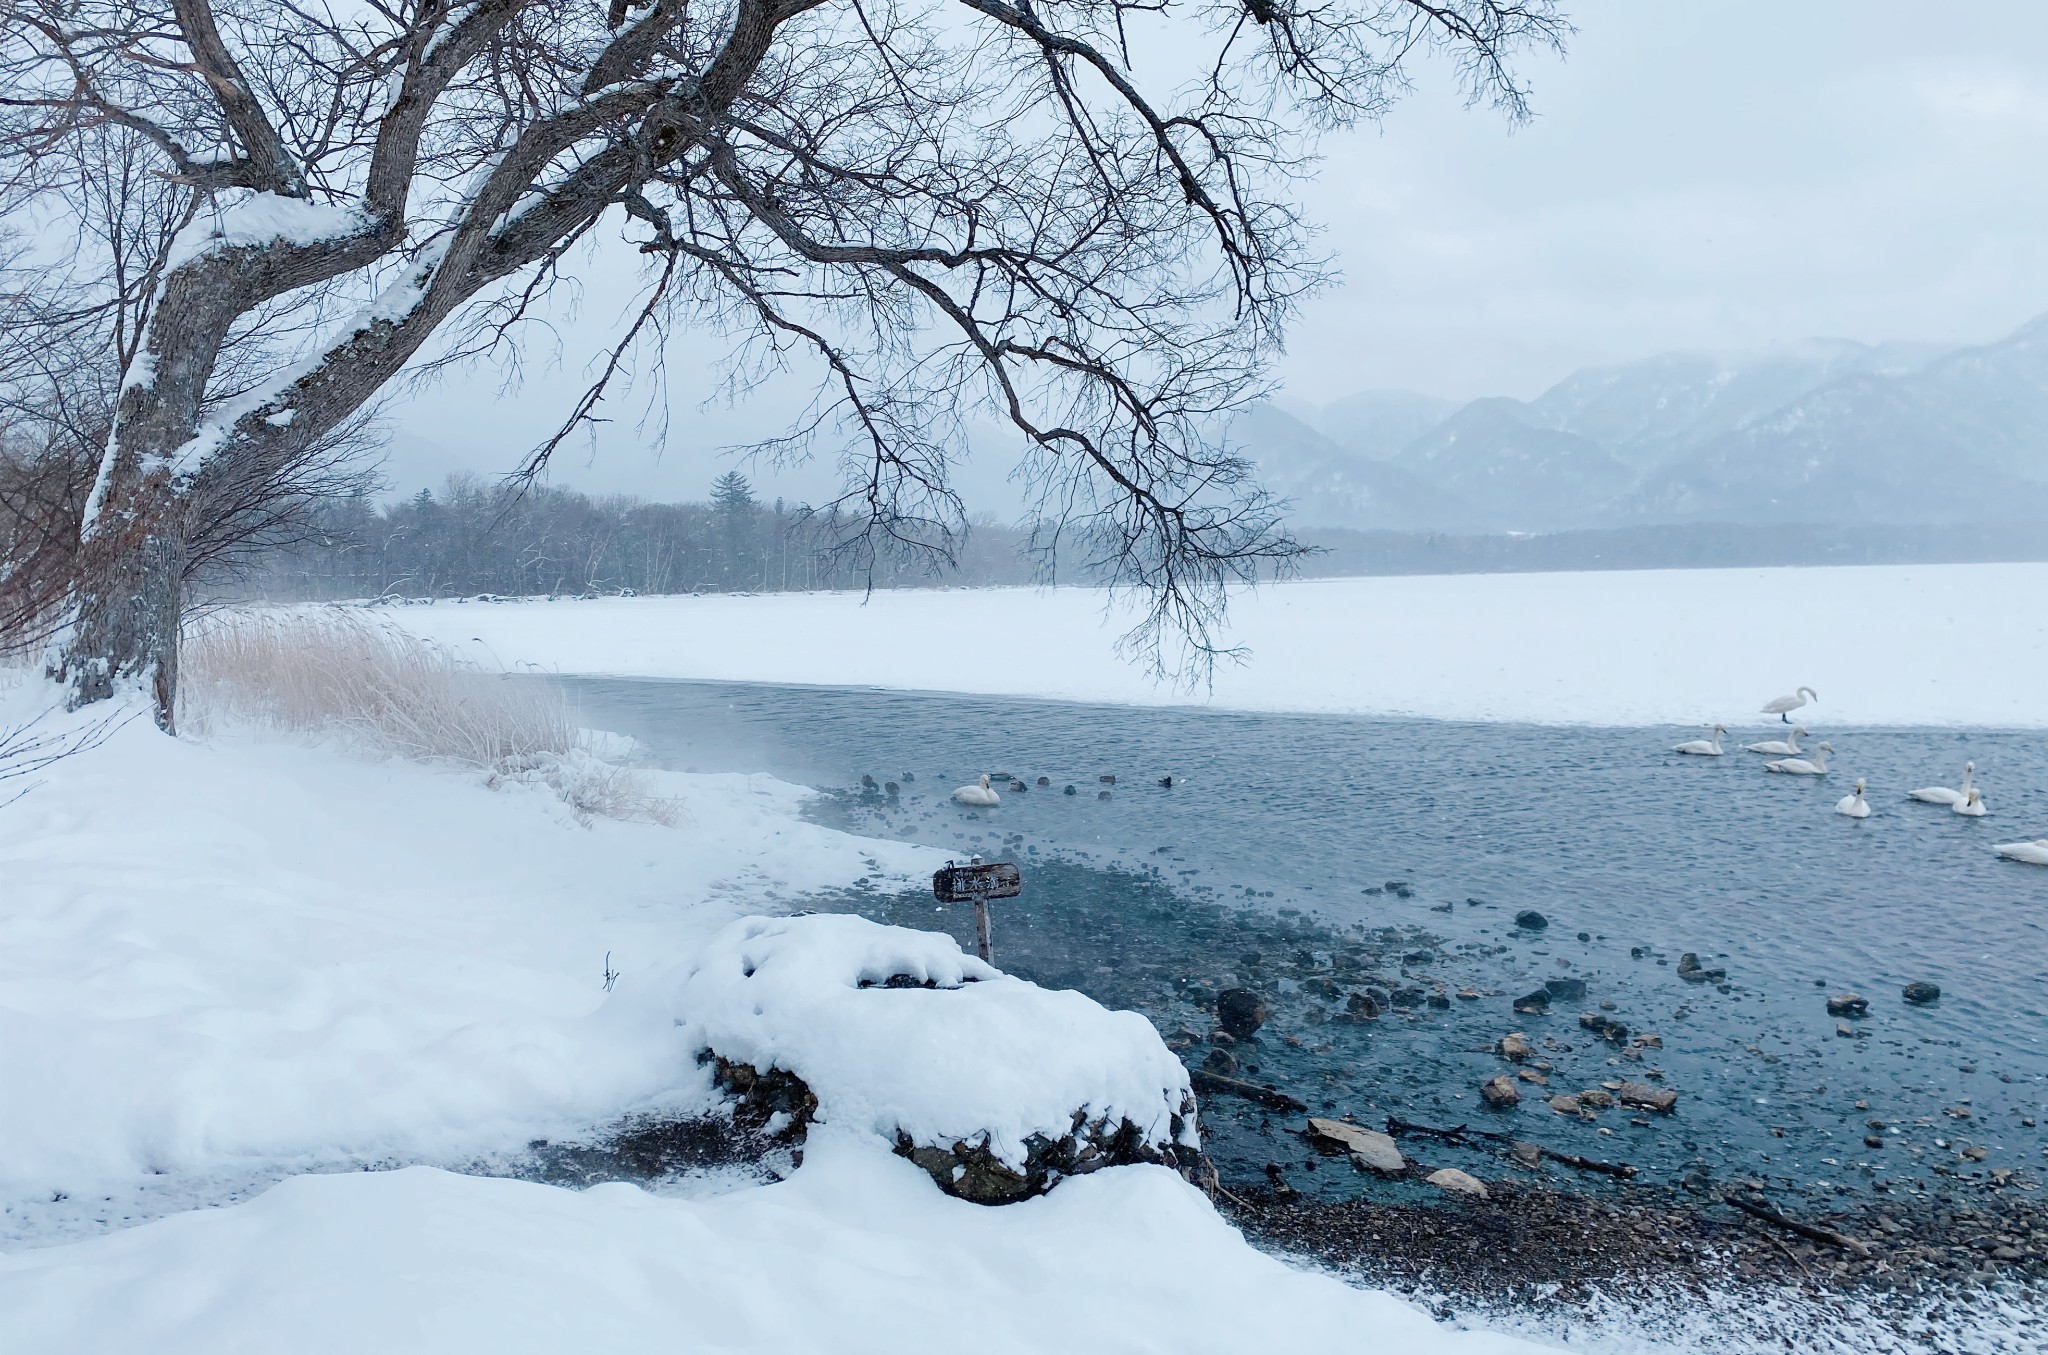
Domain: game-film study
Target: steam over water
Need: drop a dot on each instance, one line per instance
(1267, 862)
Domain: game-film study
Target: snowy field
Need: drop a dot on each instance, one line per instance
(1883, 645)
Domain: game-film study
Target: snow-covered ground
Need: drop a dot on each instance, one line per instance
(240, 979)
(1891, 645)
(218, 959)
(855, 1252)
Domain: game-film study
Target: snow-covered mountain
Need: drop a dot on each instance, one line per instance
(1823, 431)
(1331, 487)
(1515, 473)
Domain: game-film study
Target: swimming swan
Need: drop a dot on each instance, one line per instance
(2034, 853)
(1855, 806)
(977, 794)
(1788, 744)
(1973, 805)
(1704, 747)
(1946, 795)
(1783, 706)
(1817, 765)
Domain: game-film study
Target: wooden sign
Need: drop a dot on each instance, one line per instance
(978, 882)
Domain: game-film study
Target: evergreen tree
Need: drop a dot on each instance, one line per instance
(732, 495)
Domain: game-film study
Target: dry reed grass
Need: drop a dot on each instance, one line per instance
(329, 673)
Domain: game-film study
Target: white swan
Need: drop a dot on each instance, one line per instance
(1788, 744)
(1783, 706)
(2034, 853)
(1704, 747)
(1947, 795)
(1855, 806)
(1817, 765)
(977, 794)
(1973, 805)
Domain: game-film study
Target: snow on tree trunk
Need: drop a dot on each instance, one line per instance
(131, 600)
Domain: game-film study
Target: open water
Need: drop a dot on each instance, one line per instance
(1268, 861)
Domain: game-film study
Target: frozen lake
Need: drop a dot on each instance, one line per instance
(1267, 862)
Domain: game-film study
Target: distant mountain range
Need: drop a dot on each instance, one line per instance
(1828, 431)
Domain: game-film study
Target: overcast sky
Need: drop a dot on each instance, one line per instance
(1727, 176)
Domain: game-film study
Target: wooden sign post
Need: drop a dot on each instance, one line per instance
(978, 882)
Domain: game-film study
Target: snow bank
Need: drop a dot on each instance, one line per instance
(978, 1056)
(1897, 645)
(247, 958)
(855, 1253)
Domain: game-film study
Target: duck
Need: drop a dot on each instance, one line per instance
(978, 794)
(1783, 706)
(1704, 747)
(1947, 795)
(1973, 805)
(1789, 745)
(2034, 853)
(1817, 765)
(1855, 806)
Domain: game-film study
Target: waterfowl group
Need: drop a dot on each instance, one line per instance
(982, 794)
(1789, 759)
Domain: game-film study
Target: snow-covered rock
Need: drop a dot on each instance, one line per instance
(995, 1086)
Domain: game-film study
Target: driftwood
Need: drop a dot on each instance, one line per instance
(1811, 1231)
(1460, 1133)
(1250, 1091)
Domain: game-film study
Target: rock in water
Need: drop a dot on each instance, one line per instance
(1240, 1012)
(1920, 990)
(1515, 1046)
(1606, 1027)
(1646, 1097)
(1221, 1062)
(1566, 990)
(1362, 1007)
(1848, 1004)
(1500, 1093)
(1533, 1003)
(1531, 920)
(1692, 971)
(1565, 1104)
(1368, 1147)
(1451, 1179)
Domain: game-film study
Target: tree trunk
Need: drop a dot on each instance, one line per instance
(131, 601)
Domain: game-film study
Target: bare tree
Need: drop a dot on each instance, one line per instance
(1072, 212)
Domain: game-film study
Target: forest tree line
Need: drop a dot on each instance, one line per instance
(480, 536)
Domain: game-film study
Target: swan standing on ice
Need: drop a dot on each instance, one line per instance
(1704, 747)
(2034, 853)
(1783, 706)
(1855, 806)
(1946, 795)
(977, 794)
(1817, 765)
(1787, 745)
(1973, 805)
